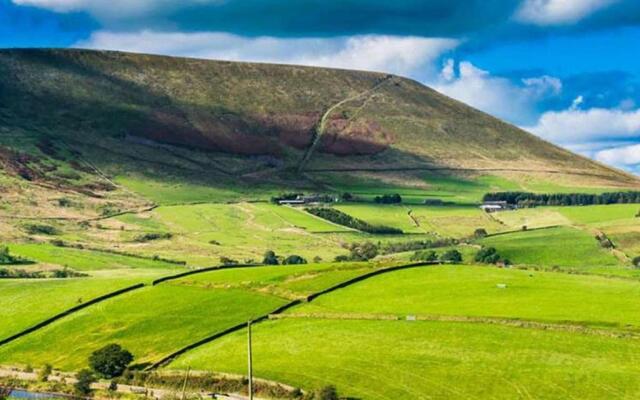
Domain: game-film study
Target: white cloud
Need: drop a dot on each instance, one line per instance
(625, 156)
(493, 94)
(400, 55)
(575, 126)
(558, 12)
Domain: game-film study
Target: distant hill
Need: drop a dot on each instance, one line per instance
(242, 122)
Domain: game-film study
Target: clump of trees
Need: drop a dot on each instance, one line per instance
(270, 258)
(388, 199)
(424, 255)
(527, 199)
(451, 256)
(226, 261)
(636, 262)
(489, 255)
(413, 245)
(480, 233)
(110, 361)
(338, 217)
(359, 252)
(40, 229)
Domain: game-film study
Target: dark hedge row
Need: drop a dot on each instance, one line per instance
(526, 199)
(347, 220)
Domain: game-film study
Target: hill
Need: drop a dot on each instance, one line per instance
(212, 122)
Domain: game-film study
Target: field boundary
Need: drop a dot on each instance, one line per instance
(167, 359)
(70, 311)
(200, 271)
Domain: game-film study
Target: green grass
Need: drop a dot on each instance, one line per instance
(473, 291)
(562, 246)
(23, 303)
(151, 323)
(410, 360)
(599, 213)
(292, 281)
(85, 260)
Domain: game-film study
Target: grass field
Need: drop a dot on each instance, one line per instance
(26, 302)
(421, 360)
(472, 291)
(562, 246)
(150, 322)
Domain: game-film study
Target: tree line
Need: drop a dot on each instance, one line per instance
(527, 199)
(340, 218)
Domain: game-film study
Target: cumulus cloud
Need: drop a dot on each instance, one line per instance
(624, 156)
(400, 55)
(573, 126)
(513, 101)
(558, 12)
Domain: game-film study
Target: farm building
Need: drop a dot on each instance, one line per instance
(492, 206)
(308, 199)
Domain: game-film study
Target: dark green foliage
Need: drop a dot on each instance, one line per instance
(147, 237)
(228, 261)
(424, 255)
(362, 251)
(347, 220)
(270, 258)
(388, 199)
(110, 361)
(6, 258)
(604, 241)
(399, 247)
(487, 255)
(480, 233)
(347, 196)
(526, 199)
(67, 273)
(39, 229)
(84, 380)
(451, 256)
(45, 371)
(327, 393)
(294, 259)
(636, 262)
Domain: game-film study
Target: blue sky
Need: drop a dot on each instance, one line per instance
(566, 70)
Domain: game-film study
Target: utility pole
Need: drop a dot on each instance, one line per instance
(250, 360)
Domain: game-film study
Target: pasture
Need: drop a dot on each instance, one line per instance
(426, 359)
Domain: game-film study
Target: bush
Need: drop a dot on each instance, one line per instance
(451, 256)
(424, 255)
(636, 262)
(228, 261)
(363, 251)
(45, 371)
(317, 259)
(110, 361)
(147, 237)
(39, 229)
(6, 258)
(84, 380)
(270, 258)
(328, 393)
(480, 233)
(294, 259)
(388, 199)
(487, 255)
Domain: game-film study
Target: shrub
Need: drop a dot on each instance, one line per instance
(270, 258)
(424, 255)
(451, 256)
(45, 371)
(328, 393)
(228, 261)
(110, 361)
(84, 380)
(363, 251)
(317, 259)
(636, 262)
(6, 258)
(388, 199)
(487, 255)
(294, 259)
(480, 233)
(39, 229)
(147, 237)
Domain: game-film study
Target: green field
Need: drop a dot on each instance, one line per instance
(562, 246)
(24, 303)
(420, 360)
(473, 291)
(151, 323)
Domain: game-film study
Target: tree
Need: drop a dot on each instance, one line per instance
(451, 256)
(480, 233)
(270, 258)
(294, 259)
(636, 262)
(424, 255)
(328, 393)
(110, 361)
(83, 384)
(43, 374)
(488, 255)
(363, 251)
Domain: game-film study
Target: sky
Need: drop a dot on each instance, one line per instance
(565, 70)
